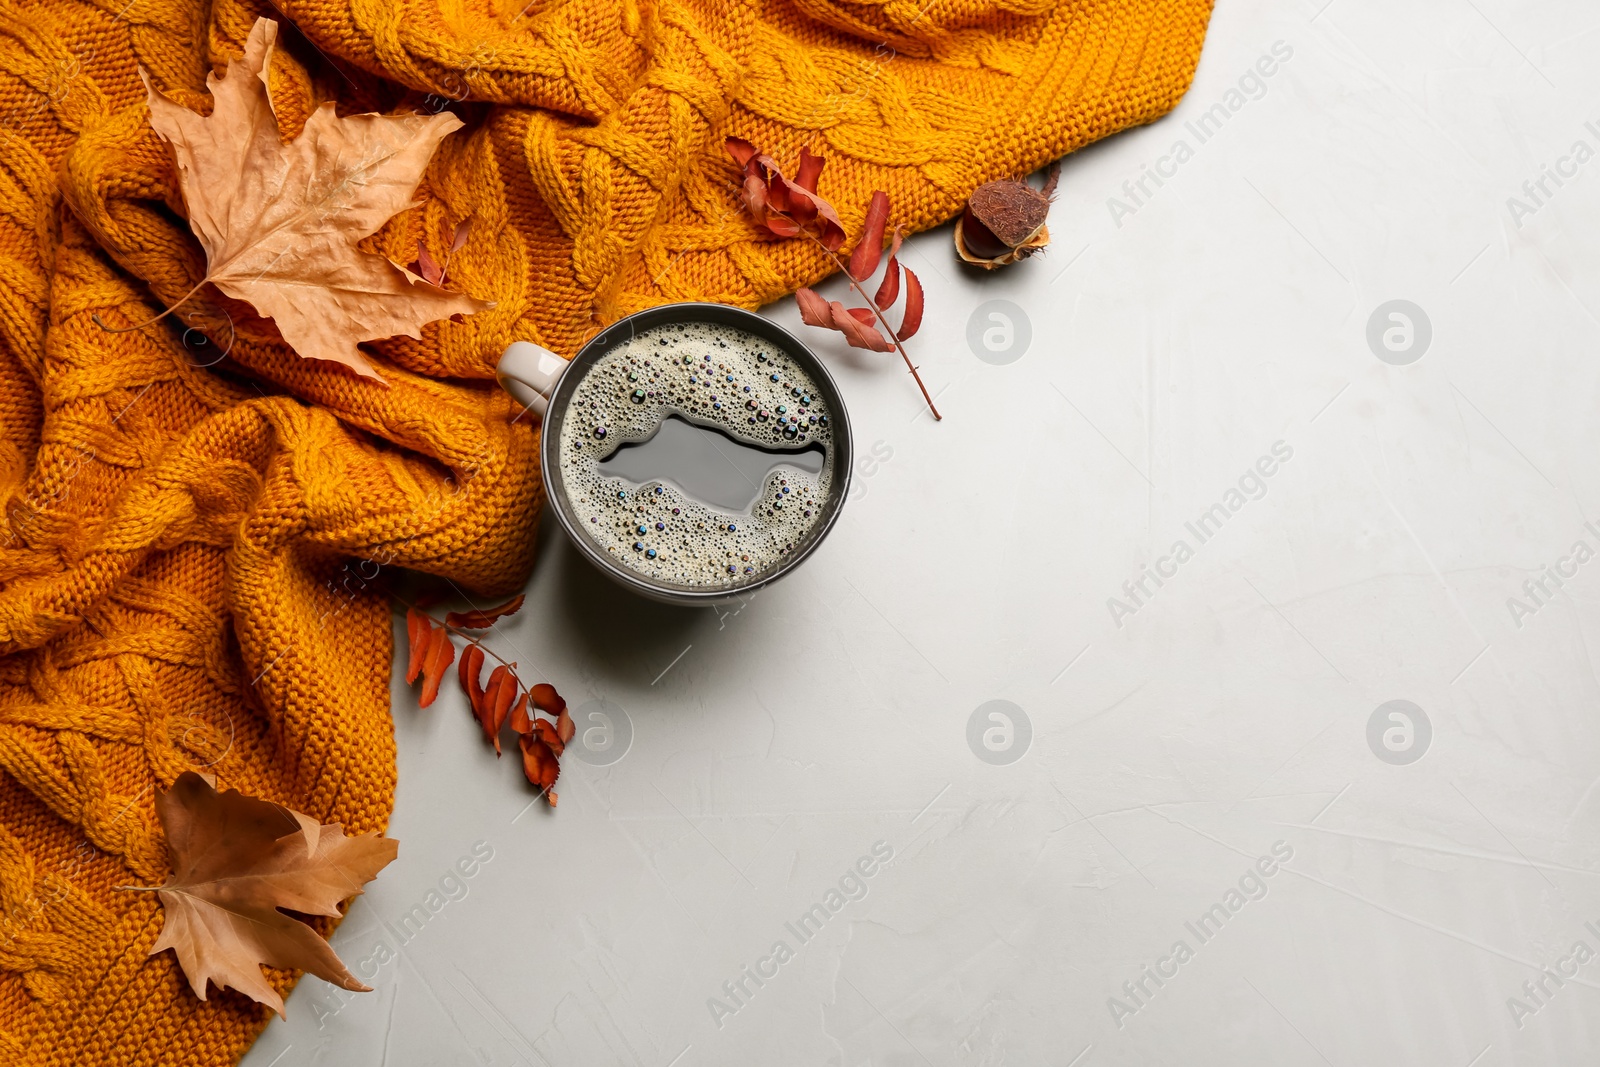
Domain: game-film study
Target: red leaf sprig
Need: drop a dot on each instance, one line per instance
(504, 701)
(783, 207)
(792, 208)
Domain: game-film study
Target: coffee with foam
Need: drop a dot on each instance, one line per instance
(716, 377)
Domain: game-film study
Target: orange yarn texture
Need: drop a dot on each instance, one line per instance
(194, 551)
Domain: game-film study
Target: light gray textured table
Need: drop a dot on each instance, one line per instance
(1231, 720)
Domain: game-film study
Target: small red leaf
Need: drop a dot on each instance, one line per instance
(864, 260)
(547, 733)
(754, 193)
(501, 694)
(518, 719)
(483, 618)
(777, 188)
(564, 726)
(546, 699)
(856, 333)
(467, 672)
(889, 290)
(427, 266)
(741, 150)
(463, 228)
(441, 653)
(814, 310)
(912, 321)
(419, 629)
(539, 762)
(832, 235)
(783, 227)
(808, 170)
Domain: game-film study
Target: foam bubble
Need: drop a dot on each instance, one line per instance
(713, 375)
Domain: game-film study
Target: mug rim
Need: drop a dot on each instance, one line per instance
(625, 329)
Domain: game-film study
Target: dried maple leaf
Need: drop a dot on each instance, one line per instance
(237, 863)
(482, 619)
(279, 223)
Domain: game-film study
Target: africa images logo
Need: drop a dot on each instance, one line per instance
(850, 887)
(1251, 86)
(1251, 886)
(1252, 485)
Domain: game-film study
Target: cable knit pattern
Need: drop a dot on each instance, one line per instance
(193, 553)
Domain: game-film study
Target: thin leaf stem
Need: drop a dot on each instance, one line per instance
(158, 318)
(898, 344)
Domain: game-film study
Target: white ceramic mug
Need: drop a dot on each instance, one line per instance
(538, 379)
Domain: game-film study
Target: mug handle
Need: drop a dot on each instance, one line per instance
(530, 373)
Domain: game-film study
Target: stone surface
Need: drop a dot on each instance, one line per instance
(1354, 606)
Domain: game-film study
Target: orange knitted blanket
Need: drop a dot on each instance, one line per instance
(194, 548)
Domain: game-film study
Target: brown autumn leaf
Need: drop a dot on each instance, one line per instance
(279, 223)
(889, 289)
(484, 618)
(440, 655)
(237, 863)
(565, 727)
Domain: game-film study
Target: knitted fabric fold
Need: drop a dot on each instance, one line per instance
(198, 524)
